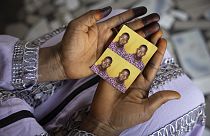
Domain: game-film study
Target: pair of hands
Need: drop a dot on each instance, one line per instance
(83, 43)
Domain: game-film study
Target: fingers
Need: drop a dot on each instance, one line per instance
(149, 29)
(125, 17)
(90, 18)
(104, 12)
(153, 65)
(159, 98)
(140, 23)
(156, 36)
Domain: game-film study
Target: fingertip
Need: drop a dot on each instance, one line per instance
(162, 42)
(155, 26)
(178, 95)
(105, 11)
(158, 25)
(156, 36)
(151, 29)
(160, 32)
(138, 11)
(156, 16)
(144, 8)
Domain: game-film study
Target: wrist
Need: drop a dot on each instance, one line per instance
(50, 66)
(92, 125)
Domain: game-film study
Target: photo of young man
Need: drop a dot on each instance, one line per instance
(136, 58)
(118, 82)
(119, 46)
(101, 68)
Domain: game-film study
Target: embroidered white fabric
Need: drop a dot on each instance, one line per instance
(24, 65)
(183, 124)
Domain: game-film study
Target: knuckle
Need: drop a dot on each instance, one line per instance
(121, 19)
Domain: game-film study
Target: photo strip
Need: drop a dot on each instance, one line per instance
(115, 70)
(124, 59)
(132, 47)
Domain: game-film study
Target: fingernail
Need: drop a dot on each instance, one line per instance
(138, 11)
(178, 95)
(106, 11)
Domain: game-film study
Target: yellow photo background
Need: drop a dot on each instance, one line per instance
(134, 42)
(118, 64)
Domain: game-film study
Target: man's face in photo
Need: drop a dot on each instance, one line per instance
(123, 75)
(141, 51)
(123, 39)
(106, 63)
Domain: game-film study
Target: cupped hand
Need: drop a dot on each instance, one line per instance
(85, 38)
(112, 111)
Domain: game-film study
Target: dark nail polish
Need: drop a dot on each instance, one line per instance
(138, 11)
(106, 11)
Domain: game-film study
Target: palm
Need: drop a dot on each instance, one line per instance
(85, 40)
(83, 43)
(129, 113)
(135, 103)
(89, 46)
(121, 111)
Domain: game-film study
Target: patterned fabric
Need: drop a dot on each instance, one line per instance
(169, 70)
(138, 63)
(113, 82)
(178, 127)
(77, 132)
(102, 74)
(25, 70)
(24, 65)
(34, 97)
(25, 60)
(73, 124)
(184, 124)
(119, 51)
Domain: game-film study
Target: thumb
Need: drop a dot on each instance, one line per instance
(91, 17)
(159, 98)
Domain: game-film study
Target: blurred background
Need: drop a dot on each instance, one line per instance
(186, 26)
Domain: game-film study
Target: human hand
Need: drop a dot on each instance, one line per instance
(85, 39)
(112, 111)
